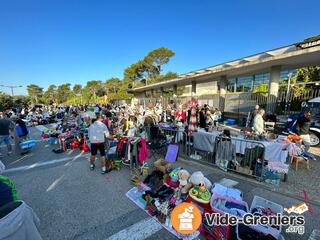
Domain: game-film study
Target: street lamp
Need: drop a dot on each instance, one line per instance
(11, 87)
(288, 91)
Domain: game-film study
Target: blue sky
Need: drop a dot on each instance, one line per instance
(54, 42)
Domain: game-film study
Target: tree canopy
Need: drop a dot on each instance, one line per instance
(145, 71)
(149, 69)
(7, 101)
(301, 78)
(35, 93)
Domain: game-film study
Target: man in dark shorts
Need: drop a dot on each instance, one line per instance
(97, 133)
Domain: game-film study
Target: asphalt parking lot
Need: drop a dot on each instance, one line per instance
(73, 202)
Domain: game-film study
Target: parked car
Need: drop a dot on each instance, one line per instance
(314, 106)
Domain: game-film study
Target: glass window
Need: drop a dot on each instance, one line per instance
(244, 84)
(231, 84)
(262, 78)
(284, 74)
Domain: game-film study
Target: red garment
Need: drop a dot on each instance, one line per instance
(106, 122)
(180, 116)
(120, 144)
(143, 151)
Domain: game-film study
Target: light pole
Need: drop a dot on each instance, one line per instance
(11, 87)
(288, 92)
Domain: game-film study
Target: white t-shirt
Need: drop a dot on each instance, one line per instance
(258, 124)
(97, 132)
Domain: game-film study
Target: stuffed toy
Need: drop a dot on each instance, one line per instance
(198, 179)
(163, 165)
(172, 179)
(183, 180)
(200, 191)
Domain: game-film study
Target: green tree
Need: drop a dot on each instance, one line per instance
(6, 101)
(261, 88)
(298, 82)
(21, 100)
(112, 85)
(77, 88)
(156, 59)
(63, 92)
(149, 69)
(50, 95)
(93, 89)
(35, 92)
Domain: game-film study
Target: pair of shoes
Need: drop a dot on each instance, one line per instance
(92, 166)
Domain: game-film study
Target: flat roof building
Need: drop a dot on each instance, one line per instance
(245, 74)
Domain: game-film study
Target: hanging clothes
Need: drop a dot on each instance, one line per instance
(193, 120)
(143, 151)
(225, 153)
(251, 155)
(180, 116)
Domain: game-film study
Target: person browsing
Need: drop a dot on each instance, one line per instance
(258, 122)
(303, 128)
(97, 132)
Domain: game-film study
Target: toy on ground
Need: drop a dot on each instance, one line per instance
(200, 194)
(172, 179)
(200, 187)
(184, 176)
(163, 166)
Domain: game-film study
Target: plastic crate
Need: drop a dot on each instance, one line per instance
(229, 199)
(255, 233)
(28, 144)
(264, 203)
(230, 121)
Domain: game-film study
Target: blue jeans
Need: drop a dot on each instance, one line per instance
(4, 139)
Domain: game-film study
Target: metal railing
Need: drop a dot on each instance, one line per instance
(243, 156)
(171, 134)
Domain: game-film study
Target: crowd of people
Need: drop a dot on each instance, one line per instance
(190, 116)
(102, 120)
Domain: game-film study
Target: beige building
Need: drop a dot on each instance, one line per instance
(242, 76)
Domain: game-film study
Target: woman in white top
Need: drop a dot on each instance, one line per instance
(258, 122)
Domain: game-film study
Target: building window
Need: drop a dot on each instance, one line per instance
(244, 84)
(259, 79)
(285, 74)
(231, 84)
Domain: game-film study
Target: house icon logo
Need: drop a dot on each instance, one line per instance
(186, 218)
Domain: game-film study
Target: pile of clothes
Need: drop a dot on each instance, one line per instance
(166, 187)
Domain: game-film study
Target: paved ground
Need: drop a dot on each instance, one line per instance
(74, 203)
(304, 180)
